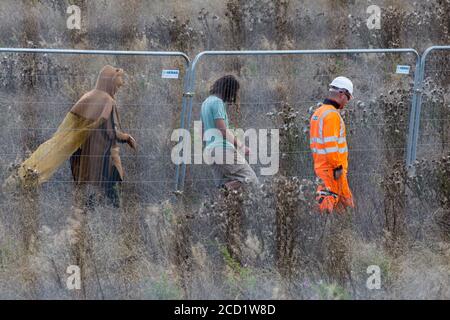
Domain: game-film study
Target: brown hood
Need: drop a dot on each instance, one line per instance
(98, 103)
(107, 80)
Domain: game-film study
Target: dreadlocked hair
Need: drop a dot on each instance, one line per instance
(226, 88)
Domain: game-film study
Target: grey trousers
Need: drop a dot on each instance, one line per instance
(224, 171)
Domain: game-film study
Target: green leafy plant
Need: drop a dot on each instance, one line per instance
(238, 278)
(165, 289)
(331, 291)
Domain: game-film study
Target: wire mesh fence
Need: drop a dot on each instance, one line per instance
(39, 89)
(433, 119)
(279, 91)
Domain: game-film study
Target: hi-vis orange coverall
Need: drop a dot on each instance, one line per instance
(329, 149)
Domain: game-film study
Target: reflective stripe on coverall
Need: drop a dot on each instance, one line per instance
(329, 149)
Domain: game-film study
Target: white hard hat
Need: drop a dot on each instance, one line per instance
(343, 83)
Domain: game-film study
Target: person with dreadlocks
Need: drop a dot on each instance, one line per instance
(224, 152)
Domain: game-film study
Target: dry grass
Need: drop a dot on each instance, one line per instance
(261, 243)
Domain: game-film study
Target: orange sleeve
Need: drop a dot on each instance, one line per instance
(331, 128)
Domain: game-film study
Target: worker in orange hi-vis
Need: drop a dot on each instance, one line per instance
(329, 148)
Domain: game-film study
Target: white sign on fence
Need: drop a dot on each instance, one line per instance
(403, 69)
(170, 74)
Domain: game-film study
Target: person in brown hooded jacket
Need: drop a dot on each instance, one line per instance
(89, 136)
(97, 161)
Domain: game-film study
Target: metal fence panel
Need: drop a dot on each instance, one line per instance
(377, 120)
(431, 131)
(39, 86)
(308, 53)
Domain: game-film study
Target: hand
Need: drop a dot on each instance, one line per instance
(244, 150)
(337, 172)
(132, 142)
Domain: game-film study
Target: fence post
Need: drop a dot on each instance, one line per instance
(418, 105)
(417, 94)
(186, 96)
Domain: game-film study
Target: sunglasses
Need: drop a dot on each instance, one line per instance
(347, 94)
